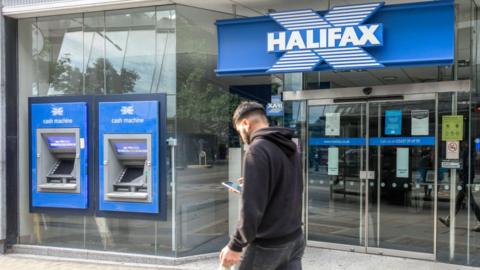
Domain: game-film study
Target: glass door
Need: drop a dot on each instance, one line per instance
(336, 155)
(401, 197)
(372, 174)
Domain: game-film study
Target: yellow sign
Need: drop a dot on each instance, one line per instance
(452, 128)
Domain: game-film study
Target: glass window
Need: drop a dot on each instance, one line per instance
(59, 45)
(126, 51)
(94, 53)
(202, 128)
(130, 50)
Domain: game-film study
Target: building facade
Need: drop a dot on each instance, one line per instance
(367, 187)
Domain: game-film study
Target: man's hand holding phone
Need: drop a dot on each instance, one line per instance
(234, 187)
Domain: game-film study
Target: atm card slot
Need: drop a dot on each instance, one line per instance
(128, 195)
(57, 186)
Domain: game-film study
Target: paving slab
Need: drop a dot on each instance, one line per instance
(314, 259)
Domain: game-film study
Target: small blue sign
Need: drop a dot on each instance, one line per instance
(403, 141)
(275, 107)
(393, 122)
(382, 141)
(336, 141)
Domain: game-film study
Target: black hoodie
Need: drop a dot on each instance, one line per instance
(271, 205)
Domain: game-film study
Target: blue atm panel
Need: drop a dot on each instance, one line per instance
(129, 157)
(59, 155)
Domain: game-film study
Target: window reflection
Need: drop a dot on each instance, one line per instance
(59, 55)
(123, 51)
(131, 44)
(94, 53)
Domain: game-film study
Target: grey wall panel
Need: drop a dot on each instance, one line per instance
(13, 3)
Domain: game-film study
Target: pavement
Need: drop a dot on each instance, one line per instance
(314, 259)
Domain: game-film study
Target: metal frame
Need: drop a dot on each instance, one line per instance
(379, 91)
(71, 7)
(108, 182)
(42, 172)
(393, 93)
(406, 97)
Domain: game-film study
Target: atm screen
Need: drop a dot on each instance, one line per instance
(130, 148)
(61, 142)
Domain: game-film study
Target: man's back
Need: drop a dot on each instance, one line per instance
(283, 213)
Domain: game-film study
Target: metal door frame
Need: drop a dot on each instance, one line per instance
(384, 93)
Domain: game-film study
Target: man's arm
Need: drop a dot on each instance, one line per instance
(254, 199)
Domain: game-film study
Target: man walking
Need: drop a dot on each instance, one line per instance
(269, 231)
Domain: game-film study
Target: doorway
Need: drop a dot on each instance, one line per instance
(372, 167)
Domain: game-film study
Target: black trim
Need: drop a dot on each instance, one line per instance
(11, 115)
(367, 98)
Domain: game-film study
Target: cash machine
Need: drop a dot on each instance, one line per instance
(127, 167)
(131, 155)
(59, 154)
(58, 160)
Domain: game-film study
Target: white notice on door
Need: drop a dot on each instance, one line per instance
(453, 150)
(420, 122)
(402, 162)
(332, 124)
(333, 161)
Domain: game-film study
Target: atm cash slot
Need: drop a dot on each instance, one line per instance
(61, 176)
(127, 169)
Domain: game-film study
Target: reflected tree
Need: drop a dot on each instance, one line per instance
(64, 77)
(67, 79)
(119, 82)
(205, 105)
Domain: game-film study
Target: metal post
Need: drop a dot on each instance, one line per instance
(453, 172)
(172, 142)
(379, 170)
(361, 228)
(306, 163)
(367, 169)
(453, 193)
(3, 135)
(435, 182)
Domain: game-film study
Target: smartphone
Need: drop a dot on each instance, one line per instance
(236, 187)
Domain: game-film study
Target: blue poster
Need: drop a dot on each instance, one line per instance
(393, 122)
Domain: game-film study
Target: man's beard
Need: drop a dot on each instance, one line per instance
(245, 136)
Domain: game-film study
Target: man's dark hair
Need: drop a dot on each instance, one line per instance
(246, 109)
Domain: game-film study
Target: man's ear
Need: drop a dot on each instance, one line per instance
(245, 122)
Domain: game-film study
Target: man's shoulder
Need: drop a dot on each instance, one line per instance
(259, 146)
(263, 147)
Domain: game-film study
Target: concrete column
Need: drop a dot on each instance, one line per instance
(3, 135)
(234, 172)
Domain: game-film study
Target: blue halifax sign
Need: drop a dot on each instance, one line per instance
(335, 38)
(343, 38)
